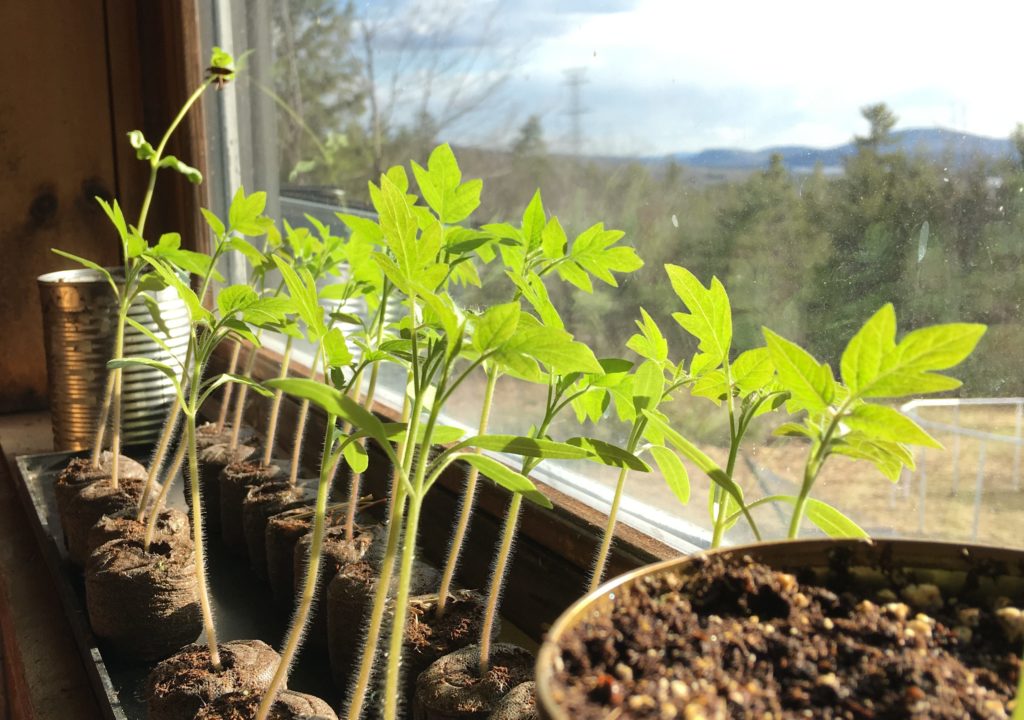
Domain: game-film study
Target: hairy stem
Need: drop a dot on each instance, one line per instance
(498, 580)
(275, 408)
(391, 684)
(468, 499)
(155, 465)
(298, 626)
(236, 419)
(396, 513)
(172, 472)
(222, 416)
(197, 541)
(115, 442)
(101, 428)
(609, 532)
(356, 481)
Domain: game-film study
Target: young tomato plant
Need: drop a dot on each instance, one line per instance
(239, 309)
(537, 248)
(844, 418)
(137, 279)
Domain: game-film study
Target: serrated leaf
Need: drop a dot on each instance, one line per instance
(792, 429)
(864, 354)
(650, 343)
(335, 349)
(215, 223)
(648, 386)
(509, 479)
(886, 423)
(827, 518)
(712, 386)
(235, 298)
(752, 370)
(534, 221)
(709, 316)
(674, 472)
(553, 239)
(909, 368)
(809, 382)
(496, 326)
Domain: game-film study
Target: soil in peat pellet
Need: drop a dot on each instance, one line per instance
(337, 553)
(453, 688)
(82, 510)
(289, 705)
(519, 704)
(171, 524)
(428, 637)
(212, 461)
(143, 604)
(235, 481)
(261, 503)
(183, 683)
(739, 639)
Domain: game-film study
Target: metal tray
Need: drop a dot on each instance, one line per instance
(242, 605)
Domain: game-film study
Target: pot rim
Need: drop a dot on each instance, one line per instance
(928, 554)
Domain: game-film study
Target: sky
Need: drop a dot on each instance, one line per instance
(664, 76)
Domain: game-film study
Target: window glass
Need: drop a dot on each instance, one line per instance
(819, 160)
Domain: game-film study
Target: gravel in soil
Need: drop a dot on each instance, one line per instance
(739, 639)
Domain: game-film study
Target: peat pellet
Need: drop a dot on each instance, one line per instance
(235, 481)
(336, 554)
(207, 435)
(79, 472)
(142, 604)
(171, 523)
(94, 500)
(280, 536)
(428, 637)
(262, 502)
(289, 705)
(349, 601)
(185, 682)
(212, 461)
(519, 704)
(453, 688)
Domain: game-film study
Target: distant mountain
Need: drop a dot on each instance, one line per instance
(937, 143)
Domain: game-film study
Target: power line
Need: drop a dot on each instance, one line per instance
(575, 78)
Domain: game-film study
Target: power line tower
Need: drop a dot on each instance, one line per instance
(576, 78)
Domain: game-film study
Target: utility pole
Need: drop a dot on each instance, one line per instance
(575, 78)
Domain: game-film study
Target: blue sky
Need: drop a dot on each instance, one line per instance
(674, 75)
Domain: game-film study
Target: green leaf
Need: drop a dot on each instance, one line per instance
(255, 257)
(356, 457)
(215, 223)
(711, 385)
(553, 240)
(129, 362)
(334, 402)
(271, 310)
(303, 293)
(194, 176)
(197, 313)
(534, 221)
(828, 519)
(674, 472)
(92, 266)
(496, 326)
(650, 343)
(527, 447)
(709, 316)
(399, 225)
(752, 371)
(506, 477)
(864, 354)
(792, 429)
(886, 423)
(888, 457)
(335, 349)
(909, 368)
(648, 386)
(441, 434)
(246, 213)
(608, 454)
(162, 344)
(809, 382)
(235, 298)
(143, 150)
(592, 252)
(552, 346)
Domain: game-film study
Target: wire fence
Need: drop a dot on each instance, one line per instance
(979, 446)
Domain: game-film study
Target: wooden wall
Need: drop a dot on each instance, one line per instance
(71, 86)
